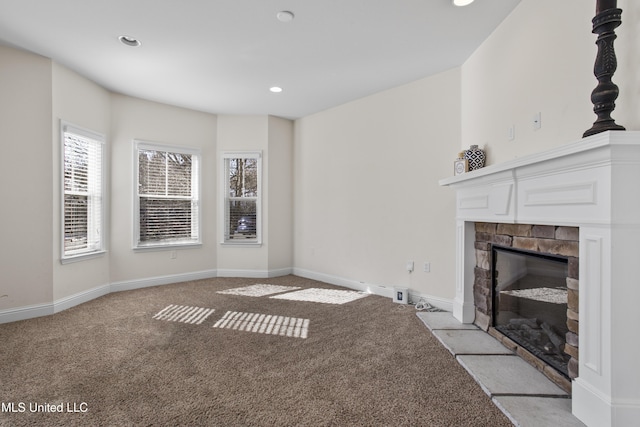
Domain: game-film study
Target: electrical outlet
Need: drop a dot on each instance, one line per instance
(409, 266)
(174, 254)
(427, 267)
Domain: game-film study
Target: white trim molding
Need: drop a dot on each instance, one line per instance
(254, 274)
(80, 298)
(27, 312)
(380, 290)
(46, 309)
(128, 285)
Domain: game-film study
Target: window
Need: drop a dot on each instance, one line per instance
(242, 189)
(167, 202)
(82, 192)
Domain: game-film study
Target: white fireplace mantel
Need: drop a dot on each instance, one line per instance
(592, 184)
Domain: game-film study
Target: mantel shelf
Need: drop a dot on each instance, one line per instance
(586, 144)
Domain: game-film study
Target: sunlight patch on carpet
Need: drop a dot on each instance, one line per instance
(258, 290)
(326, 296)
(184, 314)
(264, 324)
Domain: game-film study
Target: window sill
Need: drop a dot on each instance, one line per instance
(166, 247)
(241, 244)
(81, 257)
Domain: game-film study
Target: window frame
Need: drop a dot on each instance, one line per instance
(96, 245)
(196, 196)
(225, 198)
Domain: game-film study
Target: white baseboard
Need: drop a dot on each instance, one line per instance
(280, 272)
(81, 297)
(381, 290)
(441, 303)
(39, 310)
(128, 285)
(254, 274)
(339, 281)
(26, 312)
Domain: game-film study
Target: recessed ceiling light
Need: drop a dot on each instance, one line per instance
(275, 89)
(462, 2)
(285, 16)
(129, 41)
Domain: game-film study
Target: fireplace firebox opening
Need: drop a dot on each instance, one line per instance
(530, 302)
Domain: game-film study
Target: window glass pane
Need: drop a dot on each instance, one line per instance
(243, 177)
(76, 164)
(167, 197)
(152, 172)
(242, 214)
(242, 219)
(75, 222)
(164, 219)
(82, 193)
(178, 174)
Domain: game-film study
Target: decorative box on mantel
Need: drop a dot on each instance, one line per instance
(592, 184)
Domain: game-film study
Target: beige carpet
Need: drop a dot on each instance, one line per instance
(168, 356)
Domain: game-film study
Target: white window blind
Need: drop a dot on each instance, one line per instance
(82, 205)
(242, 193)
(167, 196)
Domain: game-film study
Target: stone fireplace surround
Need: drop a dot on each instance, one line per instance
(589, 184)
(544, 239)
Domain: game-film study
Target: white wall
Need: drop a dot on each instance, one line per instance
(366, 193)
(279, 203)
(26, 226)
(272, 136)
(134, 118)
(540, 59)
(85, 104)
(242, 133)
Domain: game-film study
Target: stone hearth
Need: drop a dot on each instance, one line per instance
(589, 185)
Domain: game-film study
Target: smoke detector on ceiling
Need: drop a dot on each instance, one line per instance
(129, 41)
(285, 16)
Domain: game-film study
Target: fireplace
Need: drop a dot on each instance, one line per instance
(526, 293)
(591, 186)
(530, 303)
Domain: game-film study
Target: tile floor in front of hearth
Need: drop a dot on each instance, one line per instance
(521, 392)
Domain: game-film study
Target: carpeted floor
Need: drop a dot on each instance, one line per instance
(188, 354)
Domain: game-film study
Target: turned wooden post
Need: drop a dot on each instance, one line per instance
(603, 97)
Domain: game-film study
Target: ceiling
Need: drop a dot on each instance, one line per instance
(222, 56)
